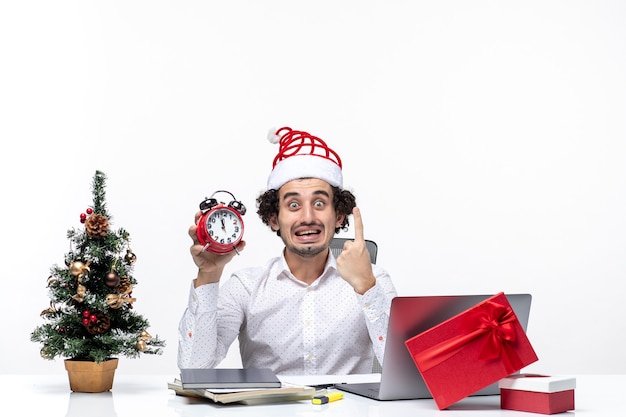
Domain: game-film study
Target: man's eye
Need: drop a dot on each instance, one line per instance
(319, 204)
(293, 205)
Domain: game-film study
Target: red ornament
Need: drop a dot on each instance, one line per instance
(86, 313)
(85, 321)
(89, 210)
(93, 318)
(83, 217)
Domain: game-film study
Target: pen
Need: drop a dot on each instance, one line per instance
(328, 398)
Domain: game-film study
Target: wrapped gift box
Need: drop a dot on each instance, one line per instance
(471, 350)
(537, 393)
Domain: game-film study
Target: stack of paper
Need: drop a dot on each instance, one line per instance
(248, 385)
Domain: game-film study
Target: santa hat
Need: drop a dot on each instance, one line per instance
(302, 155)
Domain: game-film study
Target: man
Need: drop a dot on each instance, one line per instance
(303, 312)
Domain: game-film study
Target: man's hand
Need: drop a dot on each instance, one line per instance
(354, 263)
(210, 266)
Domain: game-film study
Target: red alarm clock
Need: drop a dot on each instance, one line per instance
(220, 227)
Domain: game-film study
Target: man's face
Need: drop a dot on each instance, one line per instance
(306, 216)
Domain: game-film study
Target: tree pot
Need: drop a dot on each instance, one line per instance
(90, 376)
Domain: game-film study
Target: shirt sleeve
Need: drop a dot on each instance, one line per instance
(197, 329)
(376, 304)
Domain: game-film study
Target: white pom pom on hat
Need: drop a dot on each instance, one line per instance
(272, 137)
(302, 155)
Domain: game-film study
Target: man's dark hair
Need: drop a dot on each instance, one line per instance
(343, 200)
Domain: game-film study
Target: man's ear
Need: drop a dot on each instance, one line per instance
(273, 223)
(340, 219)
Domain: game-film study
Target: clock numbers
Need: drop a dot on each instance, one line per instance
(218, 230)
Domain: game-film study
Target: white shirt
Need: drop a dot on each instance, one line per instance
(325, 328)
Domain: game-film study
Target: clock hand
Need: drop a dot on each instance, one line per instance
(223, 225)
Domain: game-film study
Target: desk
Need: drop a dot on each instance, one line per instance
(147, 396)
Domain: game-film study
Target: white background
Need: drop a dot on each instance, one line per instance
(484, 141)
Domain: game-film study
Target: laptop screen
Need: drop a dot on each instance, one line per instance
(409, 316)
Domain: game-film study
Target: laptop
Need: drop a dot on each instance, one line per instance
(400, 379)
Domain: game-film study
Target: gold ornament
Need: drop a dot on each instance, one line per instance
(49, 310)
(51, 281)
(80, 293)
(130, 257)
(78, 269)
(118, 300)
(141, 345)
(144, 335)
(114, 300)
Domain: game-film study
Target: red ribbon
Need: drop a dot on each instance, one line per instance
(491, 321)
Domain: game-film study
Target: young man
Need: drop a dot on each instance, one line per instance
(303, 312)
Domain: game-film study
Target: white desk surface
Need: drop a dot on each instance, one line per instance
(148, 395)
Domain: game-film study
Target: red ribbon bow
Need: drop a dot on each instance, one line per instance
(492, 321)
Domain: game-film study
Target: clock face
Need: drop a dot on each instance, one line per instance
(224, 226)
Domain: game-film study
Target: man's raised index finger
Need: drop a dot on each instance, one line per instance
(358, 224)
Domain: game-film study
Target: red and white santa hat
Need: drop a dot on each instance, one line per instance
(302, 155)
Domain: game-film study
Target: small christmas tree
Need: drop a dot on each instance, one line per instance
(91, 315)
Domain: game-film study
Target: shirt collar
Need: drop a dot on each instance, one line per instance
(329, 268)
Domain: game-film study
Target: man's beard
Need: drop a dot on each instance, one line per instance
(307, 251)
